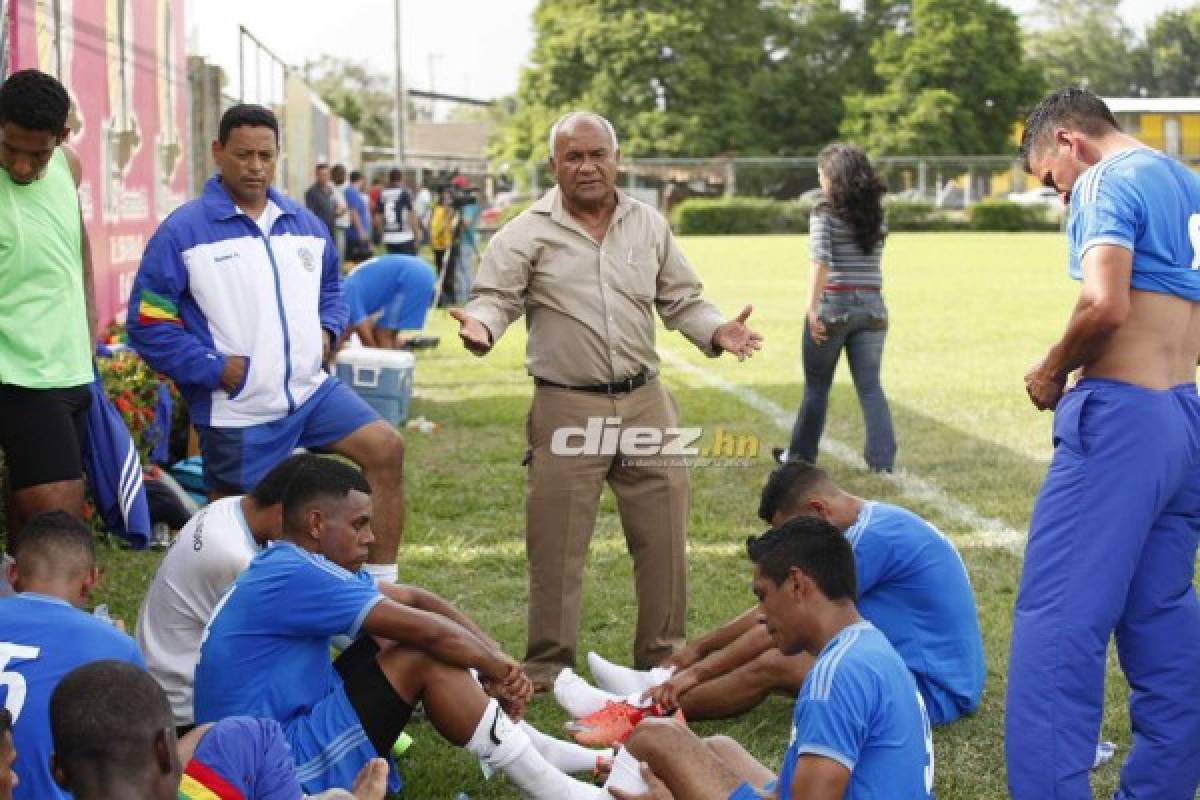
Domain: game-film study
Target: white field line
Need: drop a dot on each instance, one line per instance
(983, 531)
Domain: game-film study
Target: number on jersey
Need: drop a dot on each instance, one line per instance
(15, 681)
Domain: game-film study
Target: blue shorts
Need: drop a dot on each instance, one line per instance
(330, 745)
(236, 459)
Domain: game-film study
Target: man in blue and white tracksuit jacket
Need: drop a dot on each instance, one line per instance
(238, 298)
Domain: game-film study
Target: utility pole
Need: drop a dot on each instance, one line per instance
(398, 131)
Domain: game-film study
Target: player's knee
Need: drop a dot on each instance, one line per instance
(385, 457)
(720, 745)
(406, 668)
(653, 738)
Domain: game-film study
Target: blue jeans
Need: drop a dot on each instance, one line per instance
(857, 322)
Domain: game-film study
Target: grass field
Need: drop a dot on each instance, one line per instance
(970, 313)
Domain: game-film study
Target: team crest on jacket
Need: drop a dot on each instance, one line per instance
(308, 259)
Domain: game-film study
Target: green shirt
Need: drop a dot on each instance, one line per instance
(44, 338)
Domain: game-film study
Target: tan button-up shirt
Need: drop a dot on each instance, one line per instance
(590, 307)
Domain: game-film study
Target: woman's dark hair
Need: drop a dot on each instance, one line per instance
(855, 192)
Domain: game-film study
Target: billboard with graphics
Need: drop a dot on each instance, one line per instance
(123, 63)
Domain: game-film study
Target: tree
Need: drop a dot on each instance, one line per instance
(1084, 43)
(352, 91)
(1170, 57)
(954, 79)
(814, 56)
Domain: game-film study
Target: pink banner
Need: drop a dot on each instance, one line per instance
(123, 61)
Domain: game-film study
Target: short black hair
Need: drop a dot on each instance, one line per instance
(811, 545)
(35, 101)
(789, 487)
(1073, 108)
(338, 170)
(104, 717)
(53, 543)
(319, 479)
(245, 115)
(355, 175)
(395, 175)
(270, 490)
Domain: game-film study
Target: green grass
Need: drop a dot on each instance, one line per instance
(970, 313)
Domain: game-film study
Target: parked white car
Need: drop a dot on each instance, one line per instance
(1039, 195)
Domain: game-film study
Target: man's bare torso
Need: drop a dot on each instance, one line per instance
(1156, 347)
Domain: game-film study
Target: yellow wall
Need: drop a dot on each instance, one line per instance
(1151, 130)
(1190, 125)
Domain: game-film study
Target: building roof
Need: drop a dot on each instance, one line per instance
(462, 139)
(1154, 105)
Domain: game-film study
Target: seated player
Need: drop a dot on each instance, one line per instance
(211, 550)
(113, 735)
(242, 757)
(8, 754)
(266, 654)
(44, 635)
(402, 287)
(859, 728)
(912, 586)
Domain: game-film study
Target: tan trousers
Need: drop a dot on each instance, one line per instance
(562, 494)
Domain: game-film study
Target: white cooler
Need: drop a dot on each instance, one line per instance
(384, 378)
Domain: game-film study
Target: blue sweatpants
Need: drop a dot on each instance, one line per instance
(1112, 548)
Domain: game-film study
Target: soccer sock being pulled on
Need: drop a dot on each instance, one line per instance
(383, 573)
(503, 745)
(623, 680)
(626, 775)
(564, 755)
(578, 697)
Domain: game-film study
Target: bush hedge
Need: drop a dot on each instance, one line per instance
(734, 215)
(999, 215)
(751, 215)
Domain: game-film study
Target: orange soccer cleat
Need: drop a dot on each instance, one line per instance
(612, 725)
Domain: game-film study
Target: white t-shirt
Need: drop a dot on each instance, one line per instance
(342, 220)
(210, 552)
(270, 213)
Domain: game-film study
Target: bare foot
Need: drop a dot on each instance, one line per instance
(371, 783)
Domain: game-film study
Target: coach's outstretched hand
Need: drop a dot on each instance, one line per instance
(474, 336)
(735, 337)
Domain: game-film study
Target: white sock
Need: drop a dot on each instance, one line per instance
(623, 680)
(626, 775)
(578, 697)
(501, 744)
(383, 573)
(564, 755)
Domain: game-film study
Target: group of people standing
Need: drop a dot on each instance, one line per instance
(239, 299)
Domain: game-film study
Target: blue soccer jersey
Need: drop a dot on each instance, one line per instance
(41, 640)
(1147, 203)
(913, 587)
(266, 654)
(860, 707)
(375, 283)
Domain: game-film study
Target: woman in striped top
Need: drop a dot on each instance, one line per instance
(845, 304)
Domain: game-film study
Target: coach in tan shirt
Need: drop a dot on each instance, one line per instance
(588, 265)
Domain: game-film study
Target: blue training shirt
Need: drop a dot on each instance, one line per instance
(266, 653)
(912, 586)
(41, 640)
(376, 282)
(1149, 204)
(356, 201)
(860, 707)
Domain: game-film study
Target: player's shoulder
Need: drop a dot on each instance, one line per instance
(852, 664)
(1129, 174)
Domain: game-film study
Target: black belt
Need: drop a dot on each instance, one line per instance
(620, 387)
